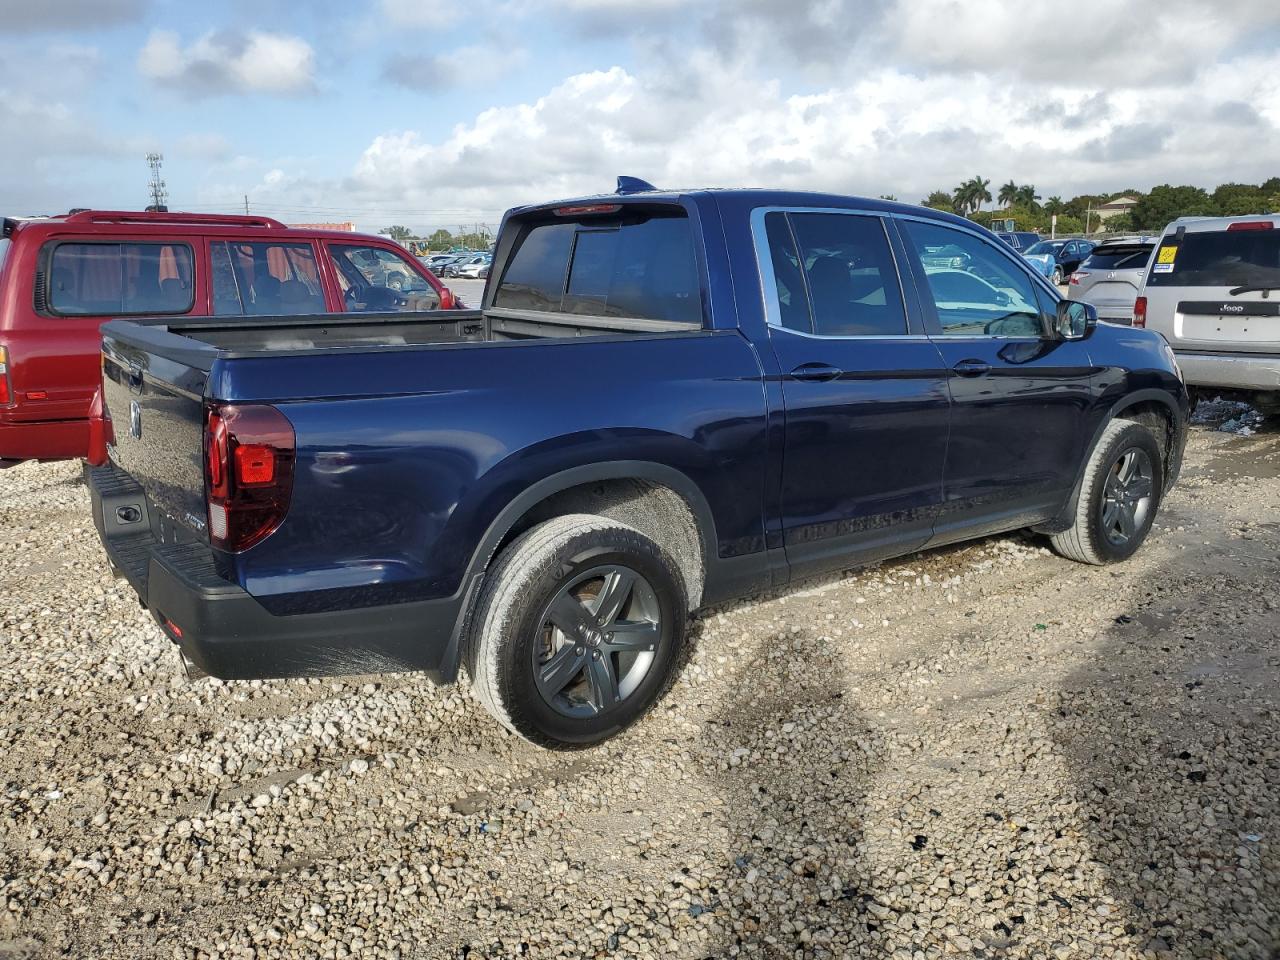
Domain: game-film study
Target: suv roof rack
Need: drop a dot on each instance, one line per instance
(201, 219)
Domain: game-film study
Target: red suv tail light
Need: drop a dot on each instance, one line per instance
(6, 394)
(249, 455)
(1140, 312)
(1077, 276)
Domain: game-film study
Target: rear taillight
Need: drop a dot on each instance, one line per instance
(249, 453)
(1077, 276)
(1140, 312)
(6, 393)
(446, 299)
(1251, 225)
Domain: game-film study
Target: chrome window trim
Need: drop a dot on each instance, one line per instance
(769, 283)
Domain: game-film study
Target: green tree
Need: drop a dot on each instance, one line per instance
(1008, 194)
(399, 234)
(1026, 196)
(440, 240)
(1054, 205)
(1166, 203)
(1239, 199)
(1069, 224)
(940, 200)
(972, 194)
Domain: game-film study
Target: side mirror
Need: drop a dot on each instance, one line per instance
(1074, 320)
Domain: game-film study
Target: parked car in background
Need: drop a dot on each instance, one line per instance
(62, 277)
(1057, 259)
(1110, 277)
(471, 270)
(455, 268)
(668, 400)
(1213, 290)
(434, 261)
(1020, 240)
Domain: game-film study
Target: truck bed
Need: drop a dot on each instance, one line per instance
(197, 341)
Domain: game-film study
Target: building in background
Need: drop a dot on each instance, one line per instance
(1115, 207)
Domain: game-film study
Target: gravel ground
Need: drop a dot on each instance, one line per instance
(984, 751)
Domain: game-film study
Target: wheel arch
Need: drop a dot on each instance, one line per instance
(648, 495)
(1139, 406)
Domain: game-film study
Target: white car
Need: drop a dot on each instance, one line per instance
(475, 269)
(1213, 290)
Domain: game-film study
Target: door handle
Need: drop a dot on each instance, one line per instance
(972, 368)
(816, 372)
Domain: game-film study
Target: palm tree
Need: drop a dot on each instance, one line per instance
(1026, 196)
(1054, 205)
(972, 194)
(1008, 194)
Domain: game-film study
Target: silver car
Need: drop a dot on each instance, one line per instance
(1213, 290)
(1110, 277)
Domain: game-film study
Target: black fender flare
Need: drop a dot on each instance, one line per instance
(1179, 419)
(557, 483)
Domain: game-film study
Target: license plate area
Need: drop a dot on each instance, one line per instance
(1247, 329)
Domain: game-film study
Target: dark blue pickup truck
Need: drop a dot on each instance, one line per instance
(668, 399)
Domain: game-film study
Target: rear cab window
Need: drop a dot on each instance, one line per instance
(1218, 258)
(112, 279)
(638, 263)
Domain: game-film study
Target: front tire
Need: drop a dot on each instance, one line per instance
(1119, 496)
(1057, 276)
(579, 626)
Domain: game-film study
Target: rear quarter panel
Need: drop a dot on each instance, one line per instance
(405, 458)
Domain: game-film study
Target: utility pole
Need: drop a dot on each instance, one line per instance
(246, 204)
(156, 187)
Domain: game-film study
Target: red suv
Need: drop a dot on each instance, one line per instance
(62, 277)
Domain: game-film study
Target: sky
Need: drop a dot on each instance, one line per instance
(447, 113)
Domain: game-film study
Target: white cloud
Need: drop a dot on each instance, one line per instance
(230, 62)
(416, 13)
(866, 96)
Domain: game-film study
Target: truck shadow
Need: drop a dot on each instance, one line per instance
(1173, 743)
(793, 769)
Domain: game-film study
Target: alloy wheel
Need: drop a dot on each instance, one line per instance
(1127, 496)
(598, 639)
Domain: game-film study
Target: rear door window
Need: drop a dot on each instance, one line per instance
(1218, 258)
(264, 279)
(118, 279)
(640, 266)
(835, 275)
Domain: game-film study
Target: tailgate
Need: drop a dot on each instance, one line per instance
(1233, 323)
(1113, 297)
(155, 400)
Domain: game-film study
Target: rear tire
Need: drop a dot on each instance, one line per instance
(1119, 496)
(579, 626)
(1057, 276)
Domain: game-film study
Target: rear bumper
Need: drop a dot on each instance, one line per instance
(228, 634)
(44, 439)
(1236, 371)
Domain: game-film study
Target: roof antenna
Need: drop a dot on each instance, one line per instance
(634, 185)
